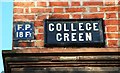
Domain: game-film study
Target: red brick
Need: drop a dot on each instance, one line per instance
(41, 30)
(26, 10)
(94, 0)
(110, 2)
(41, 10)
(119, 28)
(75, 3)
(75, 9)
(112, 29)
(39, 37)
(119, 2)
(93, 15)
(93, 9)
(63, 16)
(26, 44)
(112, 43)
(118, 15)
(119, 35)
(110, 15)
(58, 10)
(76, 16)
(41, 17)
(58, 3)
(38, 23)
(39, 43)
(112, 22)
(111, 35)
(18, 10)
(92, 3)
(105, 9)
(24, 17)
(41, 3)
(24, 4)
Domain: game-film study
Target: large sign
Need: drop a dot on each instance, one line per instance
(23, 31)
(74, 32)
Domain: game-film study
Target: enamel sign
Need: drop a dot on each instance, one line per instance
(74, 32)
(23, 31)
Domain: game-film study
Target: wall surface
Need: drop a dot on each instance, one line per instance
(38, 10)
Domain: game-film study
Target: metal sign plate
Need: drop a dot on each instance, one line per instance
(74, 32)
(23, 31)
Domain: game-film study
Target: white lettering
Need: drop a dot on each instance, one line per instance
(16, 34)
(88, 26)
(65, 28)
(20, 34)
(27, 26)
(19, 27)
(50, 27)
(95, 25)
(27, 33)
(66, 37)
(58, 37)
(72, 27)
(80, 37)
(80, 27)
(73, 37)
(58, 27)
(88, 36)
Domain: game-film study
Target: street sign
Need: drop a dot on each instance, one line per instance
(23, 31)
(74, 32)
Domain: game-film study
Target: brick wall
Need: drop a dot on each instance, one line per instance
(38, 10)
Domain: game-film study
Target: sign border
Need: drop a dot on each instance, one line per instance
(74, 44)
(23, 22)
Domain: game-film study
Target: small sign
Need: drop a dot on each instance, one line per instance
(23, 31)
(74, 32)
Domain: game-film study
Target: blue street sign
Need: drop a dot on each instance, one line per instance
(23, 31)
(74, 32)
